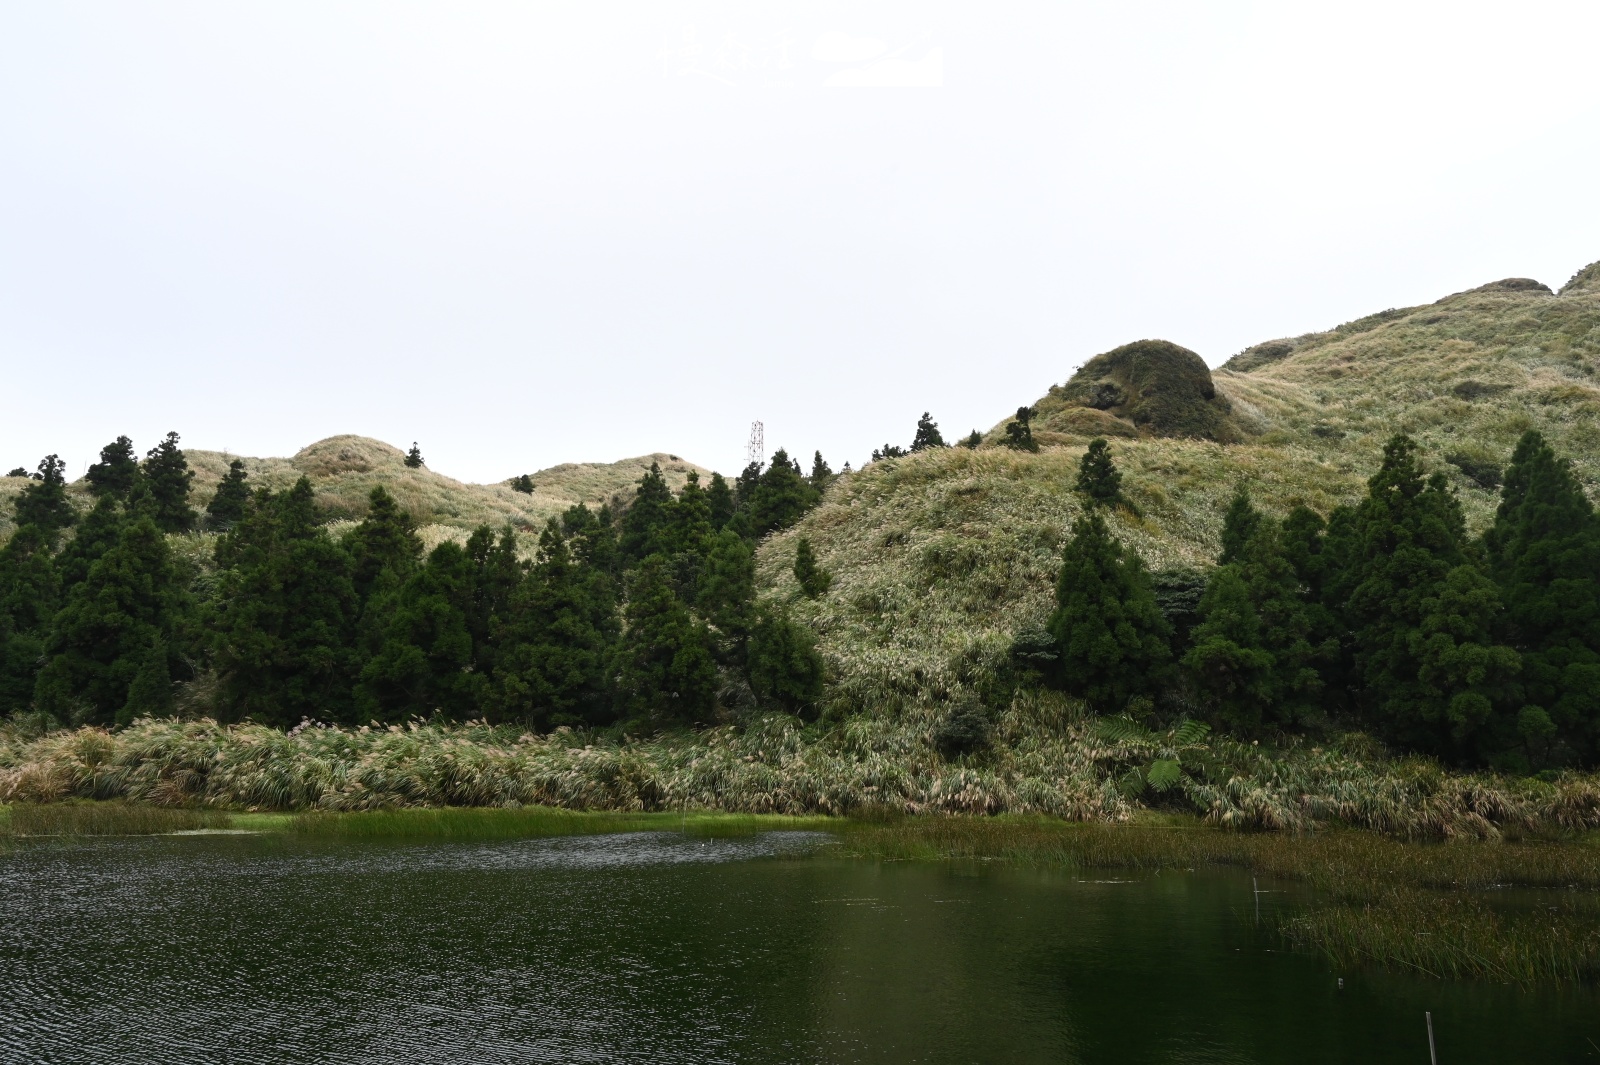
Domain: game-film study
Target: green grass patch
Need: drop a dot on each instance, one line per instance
(469, 823)
(104, 819)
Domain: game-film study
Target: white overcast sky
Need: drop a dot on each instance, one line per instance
(530, 233)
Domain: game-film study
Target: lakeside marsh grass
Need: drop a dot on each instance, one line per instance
(103, 819)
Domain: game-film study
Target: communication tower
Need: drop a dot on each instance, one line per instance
(756, 449)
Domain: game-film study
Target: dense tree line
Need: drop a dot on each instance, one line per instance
(648, 617)
(1385, 615)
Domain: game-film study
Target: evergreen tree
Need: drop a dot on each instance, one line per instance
(18, 472)
(96, 534)
(1019, 431)
(972, 440)
(167, 476)
(523, 483)
(424, 663)
(1112, 636)
(44, 501)
(414, 457)
(666, 670)
(814, 581)
(888, 451)
(498, 574)
(116, 472)
(124, 614)
(1544, 551)
(927, 434)
(744, 488)
(781, 497)
(1098, 480)
(719, 502)
(557, 641)
(232, 497)
(689, 525)
(385, 541)
(285, 614)
(783, 666)
(30, 592)
(592, 538)
(1415, 622)
(821, 472)
(1239, 526)
(647, 521)
(726, 593)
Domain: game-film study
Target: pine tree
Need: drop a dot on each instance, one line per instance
(719, 502)
(385, 541)
(821, 472)
(30, 594)
(285, 613)
(1019, 431)
(96, 534)
(1098, 480)
(1544, 551)
(167, 476)
(557, 641)
(116, 472)
(648, 518)
(1112, 636)
(129, 604)
(232, 496)
(44, 501)
(1413, 618)
(414, 457)
(423, 665)
(782, 665)
(814, 581)
(689, 526)
(927, 434)
(726, 593)
(1239, 527)
(781, 497)
(667, 673)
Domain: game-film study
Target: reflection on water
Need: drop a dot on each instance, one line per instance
(655, 947)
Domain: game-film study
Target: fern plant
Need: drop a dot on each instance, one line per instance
(1166, 769)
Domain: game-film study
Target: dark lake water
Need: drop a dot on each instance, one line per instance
(656, 947)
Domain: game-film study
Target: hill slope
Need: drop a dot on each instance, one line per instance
(941, 557)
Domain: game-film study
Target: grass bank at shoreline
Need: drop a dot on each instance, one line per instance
(1438, 909)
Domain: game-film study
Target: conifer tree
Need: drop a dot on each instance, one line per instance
(522, 483)
(423, 664)
(96, 534)
(927, 434)
(1239, 527)
(888, 451)
(745, 485)
(557, 641)
(814, 581)
(18, 472)
(1098, 480)
(1544, 552)
(284, 617)
(385, 541)
(44, 501)
(1019, 431)
(666, 671)
(232, 496)
(116, 472)
(720, 503)
(781, 497)
(972, 440)
(128, 608)
(414, 457)
(592, 539)
(689, 525)
(821, 472)
(167, 476)
(648, 518)
(782, 665)
(30, 591)
(1112, 636)
(726, 593)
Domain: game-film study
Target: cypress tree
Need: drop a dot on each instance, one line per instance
(745, 485)
(126, 610)
(523, 484)
(814, 581)
(414, 457)
(821, 472)
(726, 593)
(96, 534)
(423, 664)
(30, 594)
(1544, 551)
(592, 538)
(782, 665)
(927, 434)
(667, 673)
(232, 496)
(116, 472)
(972, 440)
(648, 518)
(1239, 526)
(285, 614)
(1098, 480)
(44, 501)
(167, 476)
(888, 451)
(1108, 626)
(1019, 431)
(781, 497)
(689, 526)
(385, 541)
(720, 503)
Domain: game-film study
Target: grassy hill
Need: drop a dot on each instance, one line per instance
(941, 557)
(345, 469)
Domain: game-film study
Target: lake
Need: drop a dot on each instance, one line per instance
(661, 947)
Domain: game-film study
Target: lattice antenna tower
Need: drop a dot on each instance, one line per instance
(756, 449)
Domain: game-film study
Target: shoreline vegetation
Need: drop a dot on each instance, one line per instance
(1518, 911)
